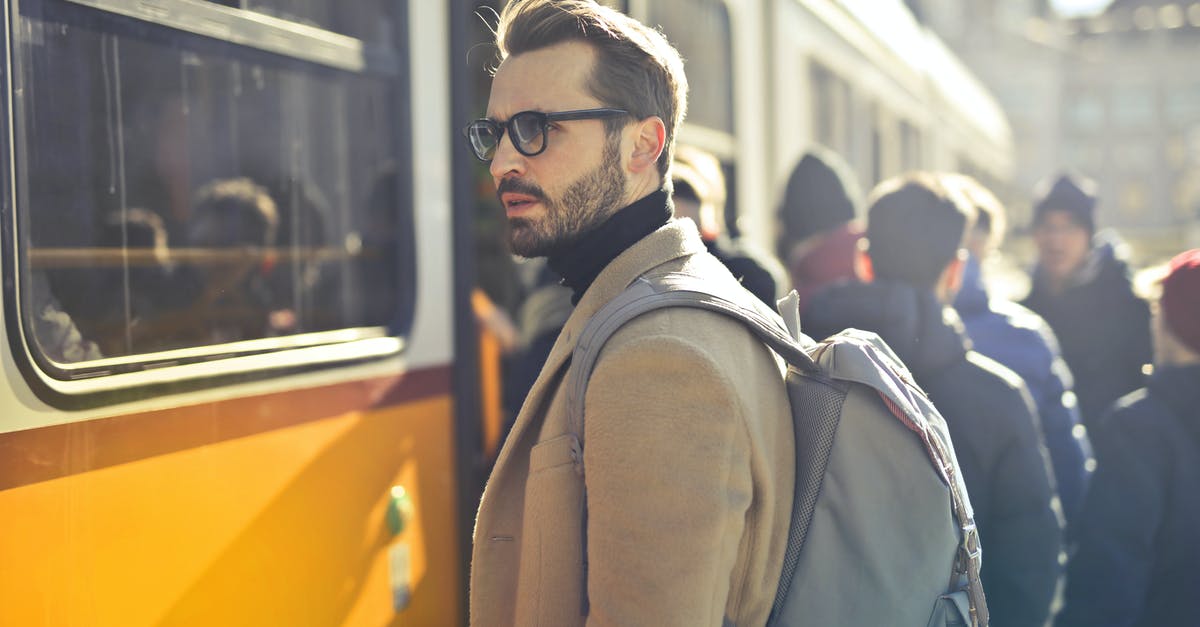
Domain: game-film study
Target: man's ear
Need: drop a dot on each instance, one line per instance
(863, 267)
(952, 276)
(649, 142)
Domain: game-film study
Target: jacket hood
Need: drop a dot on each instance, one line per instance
(926, 335)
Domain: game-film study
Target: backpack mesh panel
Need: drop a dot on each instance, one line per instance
(815, 429)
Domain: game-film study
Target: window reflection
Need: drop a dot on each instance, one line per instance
(176, 191)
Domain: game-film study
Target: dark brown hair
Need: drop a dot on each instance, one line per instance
(636, 68)
(915, 227)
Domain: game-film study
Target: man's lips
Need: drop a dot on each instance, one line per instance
(515, 203)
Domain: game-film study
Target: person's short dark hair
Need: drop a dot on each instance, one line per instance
(1069, 192)
(915, 228)
(821, 194)
(636, 69)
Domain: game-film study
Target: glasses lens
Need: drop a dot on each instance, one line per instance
(529, 132)
(484, 136)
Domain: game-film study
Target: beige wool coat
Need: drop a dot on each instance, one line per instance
(689, 458)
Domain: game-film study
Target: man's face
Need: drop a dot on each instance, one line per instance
(579, 180)
(1063, 244)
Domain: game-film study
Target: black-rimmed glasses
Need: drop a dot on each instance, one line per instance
(526, 129)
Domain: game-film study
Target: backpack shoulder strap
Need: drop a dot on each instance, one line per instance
(673, 290)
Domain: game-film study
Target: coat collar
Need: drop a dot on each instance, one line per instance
(677, 238)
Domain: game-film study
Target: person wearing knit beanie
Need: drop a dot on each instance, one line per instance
(1070, 193)
(1179, 305)
(821, 194)
(1082, 287)
(1063, 225)
(820, 232)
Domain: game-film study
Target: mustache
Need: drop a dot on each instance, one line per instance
(519, 187)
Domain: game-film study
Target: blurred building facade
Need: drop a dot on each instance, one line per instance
(1115, 96)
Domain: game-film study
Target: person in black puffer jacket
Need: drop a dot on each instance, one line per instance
(1082, 287)
(1137, 556)
(915, 231)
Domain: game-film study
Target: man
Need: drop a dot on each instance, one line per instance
(914, 231)
(1020, 340)
(687, 439)
(1081, 287)
(699, 194)
(1136, 563)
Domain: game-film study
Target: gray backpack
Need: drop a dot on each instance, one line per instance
(882, 532)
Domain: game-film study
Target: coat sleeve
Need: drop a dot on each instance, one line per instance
(668, 485)
(1109, 574)
(1023, 537)
(1066, 438)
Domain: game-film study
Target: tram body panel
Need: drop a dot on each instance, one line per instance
(260, 510)
(254, 483)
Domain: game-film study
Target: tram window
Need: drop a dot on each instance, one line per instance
(831, 109)
(700, 30)
(876, 152)
(910, 147)
(177, 192)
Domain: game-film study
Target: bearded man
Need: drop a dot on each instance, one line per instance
(687, 439)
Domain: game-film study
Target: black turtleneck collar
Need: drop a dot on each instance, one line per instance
(580, 263)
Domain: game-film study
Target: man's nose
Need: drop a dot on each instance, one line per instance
(507, 160)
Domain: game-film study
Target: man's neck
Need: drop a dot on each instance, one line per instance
(580, 263)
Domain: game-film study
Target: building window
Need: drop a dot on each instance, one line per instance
(831, 108)
(1085, 111)
(1133, 106)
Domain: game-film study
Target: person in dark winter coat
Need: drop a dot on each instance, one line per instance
(1023, 342)
(1082, 287)
(700, 195)
(915, 231)
(1137, 556)
(819, 230)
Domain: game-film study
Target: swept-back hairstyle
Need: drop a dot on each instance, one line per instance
(915, 227)
(636, 68)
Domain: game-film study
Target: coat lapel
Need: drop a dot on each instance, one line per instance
(675, 239)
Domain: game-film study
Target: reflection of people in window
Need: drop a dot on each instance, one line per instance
(133, 296)
(57, 337)
(231, 230)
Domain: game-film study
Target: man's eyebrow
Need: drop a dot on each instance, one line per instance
(530, 110)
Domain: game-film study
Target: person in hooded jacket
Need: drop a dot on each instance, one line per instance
(1082, 287)
(1136, 561)
(915, 231)
(1023, 342)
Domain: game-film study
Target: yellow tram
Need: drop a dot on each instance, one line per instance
(242, 378)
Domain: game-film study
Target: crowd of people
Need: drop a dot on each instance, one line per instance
(1073, 414)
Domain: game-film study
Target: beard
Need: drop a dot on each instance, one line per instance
(585, 204)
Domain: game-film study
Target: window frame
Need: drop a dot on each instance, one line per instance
(111, 380)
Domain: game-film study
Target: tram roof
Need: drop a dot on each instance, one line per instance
(893, 25)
